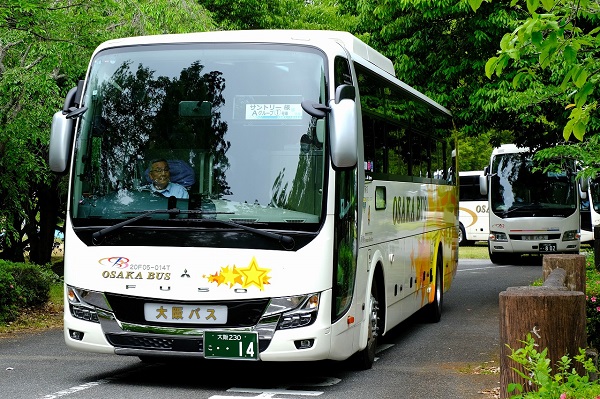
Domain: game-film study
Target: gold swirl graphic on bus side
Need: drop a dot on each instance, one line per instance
(472, 214)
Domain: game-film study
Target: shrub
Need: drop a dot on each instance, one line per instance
(9, 296)
(565, 383)
(592, 296)
(22, 285)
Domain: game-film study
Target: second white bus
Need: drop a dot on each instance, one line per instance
(473, 209)
(531, 212)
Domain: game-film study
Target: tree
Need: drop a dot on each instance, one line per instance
(560, 46)
(440, 49)
(44, 49)
(278, 14)
(474, 152)
(555, 54)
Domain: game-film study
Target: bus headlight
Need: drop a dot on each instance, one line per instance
(498, 236)
(304, 314)
(571, 235)
(80, 306)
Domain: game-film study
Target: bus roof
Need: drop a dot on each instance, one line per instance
(509, 149)
(471, 173)
(349, 41)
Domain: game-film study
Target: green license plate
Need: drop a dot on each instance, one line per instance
(231, 345)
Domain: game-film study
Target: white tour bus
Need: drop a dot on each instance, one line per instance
(473, 209)
(590, 211)
(530, 212)
(312, 202)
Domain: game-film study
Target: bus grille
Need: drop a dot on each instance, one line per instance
(144, 342)
(137, 341)
(240, 313)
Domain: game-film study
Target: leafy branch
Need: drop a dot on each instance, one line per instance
(557, 38)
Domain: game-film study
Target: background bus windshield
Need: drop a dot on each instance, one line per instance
(227, 120)
(516, 190)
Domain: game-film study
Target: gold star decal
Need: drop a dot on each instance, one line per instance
(231, 276)
(214, 278)
(255, 275)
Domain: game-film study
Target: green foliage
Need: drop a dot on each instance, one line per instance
(474, 151)
(556, 46)
(534, 367)
(592, 300)
(278, 14)
(45, 47)
(585, 152)
(22, 286)
(440, 49)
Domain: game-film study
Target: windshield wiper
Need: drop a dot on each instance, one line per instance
(171, 212)
(523, 207)
(286, 242)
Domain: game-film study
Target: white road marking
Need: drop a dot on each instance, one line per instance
(76, 389)
(384, 347)
(481, 268)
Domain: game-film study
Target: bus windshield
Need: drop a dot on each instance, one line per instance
(214, 127)
(517, 189)
(594, 191)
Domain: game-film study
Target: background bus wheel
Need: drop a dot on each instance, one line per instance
(462, 236)
(496, 258)
(433, 311)
(365, 358)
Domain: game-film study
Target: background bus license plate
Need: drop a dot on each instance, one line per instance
(231, 345)
(180, 313)
(547, 247)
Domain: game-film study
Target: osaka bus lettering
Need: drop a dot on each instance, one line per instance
(135, 275)
(409, 209)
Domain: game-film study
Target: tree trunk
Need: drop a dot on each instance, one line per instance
(573, 264)
(555, 319)
(49, 208)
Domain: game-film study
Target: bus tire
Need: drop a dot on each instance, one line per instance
(502, 258)
(462, 236)
(497, 258)
(433, 311)
(365, 358)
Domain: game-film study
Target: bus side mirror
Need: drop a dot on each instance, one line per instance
(343, 134)
(483, 184)
(60, 142)
(583, 188)
(61, 135)
(344, 128)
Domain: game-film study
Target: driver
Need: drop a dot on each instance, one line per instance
(160, 175)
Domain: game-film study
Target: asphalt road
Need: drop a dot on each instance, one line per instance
(449, 359)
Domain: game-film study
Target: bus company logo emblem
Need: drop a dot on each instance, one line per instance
(119, 262)
(245, 277)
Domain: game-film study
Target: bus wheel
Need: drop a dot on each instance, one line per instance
(497, 258)
(365, 358)
(462, 236)
(433, 311)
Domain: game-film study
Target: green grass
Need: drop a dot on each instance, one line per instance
(477, 251)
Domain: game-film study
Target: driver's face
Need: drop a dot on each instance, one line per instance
(160, 174)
